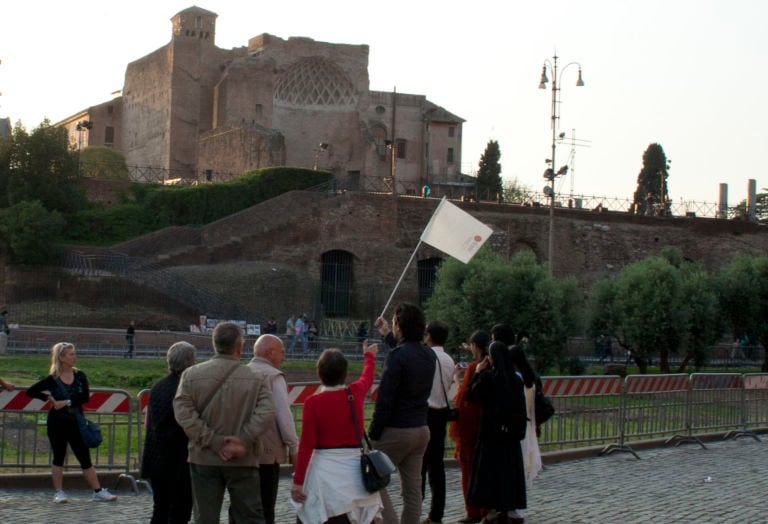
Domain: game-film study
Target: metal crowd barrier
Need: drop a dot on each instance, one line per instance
(24, 441)
(715, 401)
(654, 406)
(587, 411)
(602, 410)
(754, 412)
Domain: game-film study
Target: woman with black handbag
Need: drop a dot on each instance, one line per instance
(67, 390)
(327, 483)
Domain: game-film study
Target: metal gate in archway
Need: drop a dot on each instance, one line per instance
(336, 283)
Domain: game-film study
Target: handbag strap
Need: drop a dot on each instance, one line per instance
(445, 394)
(218, 387)
(354, 418)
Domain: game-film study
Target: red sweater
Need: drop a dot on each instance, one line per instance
(327, 420)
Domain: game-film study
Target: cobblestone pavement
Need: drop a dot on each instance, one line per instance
(667, 485)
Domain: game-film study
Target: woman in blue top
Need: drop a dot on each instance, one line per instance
(67, 390)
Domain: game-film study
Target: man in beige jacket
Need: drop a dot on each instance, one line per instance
(268, 356)
(224, 407)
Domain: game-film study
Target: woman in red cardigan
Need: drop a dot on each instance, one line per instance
(327, 483)
(464, 430)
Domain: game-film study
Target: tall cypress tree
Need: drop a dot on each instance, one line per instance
(652, 179)
(489, 173)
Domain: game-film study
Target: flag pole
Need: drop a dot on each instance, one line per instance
(402, 275)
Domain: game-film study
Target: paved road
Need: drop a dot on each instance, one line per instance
(665, 486)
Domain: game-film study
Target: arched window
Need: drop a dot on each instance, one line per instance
(427, 273)
(336, 283)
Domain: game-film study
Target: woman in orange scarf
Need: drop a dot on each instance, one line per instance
(464, 430)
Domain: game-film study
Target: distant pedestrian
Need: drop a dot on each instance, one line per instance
(129, 336)
(290, 332)
(271, 327)
(362, 333)
(300, 334)
(312, 334)
(4, 328)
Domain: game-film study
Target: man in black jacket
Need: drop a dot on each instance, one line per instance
(399, 425)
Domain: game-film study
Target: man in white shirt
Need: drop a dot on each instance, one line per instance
(437, 420)
(268, 356)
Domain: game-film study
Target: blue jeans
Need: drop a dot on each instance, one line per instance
(242, 484)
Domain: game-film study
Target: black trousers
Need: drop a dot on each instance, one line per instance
(172, 496)
(269, 476)
(433, 467)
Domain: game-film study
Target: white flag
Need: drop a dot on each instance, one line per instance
(455, 232)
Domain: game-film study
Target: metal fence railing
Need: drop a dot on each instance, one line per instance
(24, 444)
(605, 411)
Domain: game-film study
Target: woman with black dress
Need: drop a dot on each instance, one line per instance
(498, 477)
(67, 390)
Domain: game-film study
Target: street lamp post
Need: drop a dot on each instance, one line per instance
(550, 174)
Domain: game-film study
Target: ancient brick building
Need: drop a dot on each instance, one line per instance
(196, 110)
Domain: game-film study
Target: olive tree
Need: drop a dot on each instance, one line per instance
(489, 290)
(743, 293)
(658, 307)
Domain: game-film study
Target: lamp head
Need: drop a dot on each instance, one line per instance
(580, 82)
(543, 81)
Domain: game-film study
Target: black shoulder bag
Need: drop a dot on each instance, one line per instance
(543, 406)
(376, 466)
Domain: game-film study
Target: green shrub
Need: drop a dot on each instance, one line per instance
(157, 206)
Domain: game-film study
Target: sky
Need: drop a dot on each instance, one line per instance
(686, 74)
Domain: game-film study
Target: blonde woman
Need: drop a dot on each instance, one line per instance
(67, 389)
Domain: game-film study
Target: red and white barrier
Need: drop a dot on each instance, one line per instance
(756, 381)
(656, 383)
(106, 402)
(297, 395)
(581, 386)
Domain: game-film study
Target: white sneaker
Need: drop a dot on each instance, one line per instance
(104, 495)
(60, 497)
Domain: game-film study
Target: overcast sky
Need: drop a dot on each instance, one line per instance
(686, 74)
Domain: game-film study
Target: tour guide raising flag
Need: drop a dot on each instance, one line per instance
(454, 232)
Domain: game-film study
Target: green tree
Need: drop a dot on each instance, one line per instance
(40, 166)
(761, 207)
(104, 163)
(30, 234)
(522, 293)
(489, 173)
(514, 191)
(742, 288)
(652, 178)
(658, 307)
